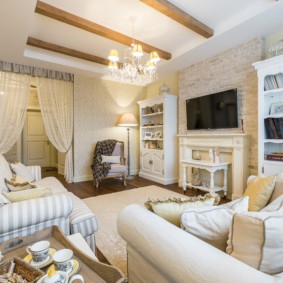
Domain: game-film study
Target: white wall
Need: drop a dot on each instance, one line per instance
(172, 82)
(97, 106)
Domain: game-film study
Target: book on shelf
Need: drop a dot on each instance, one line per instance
(274, 128)
(274, 157)
(273, 82)
(279, 80)
(276, 122)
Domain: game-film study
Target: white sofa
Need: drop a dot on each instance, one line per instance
(161, 252)
(63, 208)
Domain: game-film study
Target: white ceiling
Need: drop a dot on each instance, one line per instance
(233, 21)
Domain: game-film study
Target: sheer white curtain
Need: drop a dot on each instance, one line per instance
(14, 91)
(56, 103)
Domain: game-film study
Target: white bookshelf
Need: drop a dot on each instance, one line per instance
(269, 94)
(158, 142)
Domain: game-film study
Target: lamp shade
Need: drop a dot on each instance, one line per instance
(113, 55)
(127, 120)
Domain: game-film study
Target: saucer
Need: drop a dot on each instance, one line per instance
(74, 270)
(63, 276)
(43, 263)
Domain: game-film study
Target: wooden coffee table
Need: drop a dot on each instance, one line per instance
(91, 270)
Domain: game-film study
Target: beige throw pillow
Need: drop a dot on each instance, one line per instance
(28, 194)
(171, 209)
(21, 170)
(255, 238)
(211, 224)
(259, 191)
(18, 183)
(115, 159)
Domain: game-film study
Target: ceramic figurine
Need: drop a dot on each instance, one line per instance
(211, 156)
(216, 155)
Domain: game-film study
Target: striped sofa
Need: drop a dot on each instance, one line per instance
(63, 208)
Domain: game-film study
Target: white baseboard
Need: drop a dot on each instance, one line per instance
(134, 172)
(83, 178)
(157, 179)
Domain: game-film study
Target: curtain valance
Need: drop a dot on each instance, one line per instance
(35, 72)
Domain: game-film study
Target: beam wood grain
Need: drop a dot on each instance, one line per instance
(167, 8)
(71, 19)
(66, 51)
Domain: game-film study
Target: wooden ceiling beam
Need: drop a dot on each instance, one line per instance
(66, 51)
(71, 19)
(167, 8)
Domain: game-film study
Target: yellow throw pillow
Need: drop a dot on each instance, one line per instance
(28, 194)
(18, 183)
(171, 209)
(260, 190)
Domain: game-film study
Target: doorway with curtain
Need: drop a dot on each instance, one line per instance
(35, 144)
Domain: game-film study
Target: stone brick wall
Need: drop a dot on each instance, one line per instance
(229, 69)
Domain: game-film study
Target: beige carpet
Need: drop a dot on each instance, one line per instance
(107, 208)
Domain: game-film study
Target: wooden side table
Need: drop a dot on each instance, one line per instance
(211, 168)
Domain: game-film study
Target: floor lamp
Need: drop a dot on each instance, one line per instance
(128, 120)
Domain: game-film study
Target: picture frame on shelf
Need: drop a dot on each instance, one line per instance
(276, 108)
(148, 135)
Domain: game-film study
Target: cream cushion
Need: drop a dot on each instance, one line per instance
(18, 183)
(3, 200)
(5, 172)
(275, 205)
(111, 159)
(256, 238)
(211, 224)
(259, 191)
(170, 209)
(21, 170)
(28, 194)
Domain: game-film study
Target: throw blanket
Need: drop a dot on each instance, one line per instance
(100, 170)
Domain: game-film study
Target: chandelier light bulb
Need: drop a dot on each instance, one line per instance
(150, 66)
(113, 55)
(154, 58)
(133, 66)
(137, 50)
(112, 65)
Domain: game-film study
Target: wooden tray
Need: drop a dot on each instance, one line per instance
(91, 270)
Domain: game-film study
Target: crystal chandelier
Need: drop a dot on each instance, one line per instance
(133, 69)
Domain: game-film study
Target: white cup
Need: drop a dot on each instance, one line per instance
(39, 250)
(63, 260)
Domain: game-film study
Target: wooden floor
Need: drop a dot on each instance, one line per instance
(87, 189)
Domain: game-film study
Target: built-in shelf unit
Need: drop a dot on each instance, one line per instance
(270, 115)
(158, 142)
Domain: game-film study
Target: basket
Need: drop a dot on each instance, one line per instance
(25, 270)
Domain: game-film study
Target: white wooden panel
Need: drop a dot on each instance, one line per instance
(146, 162)
(157, 166)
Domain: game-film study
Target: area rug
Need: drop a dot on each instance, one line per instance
(107, 208)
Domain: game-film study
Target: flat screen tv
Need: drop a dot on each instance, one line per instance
(213, 111)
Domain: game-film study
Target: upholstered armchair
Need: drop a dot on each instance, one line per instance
(117, 170)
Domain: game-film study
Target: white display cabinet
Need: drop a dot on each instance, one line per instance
(270, 112)
(158, 141)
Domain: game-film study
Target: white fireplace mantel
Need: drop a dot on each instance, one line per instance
(236, 145)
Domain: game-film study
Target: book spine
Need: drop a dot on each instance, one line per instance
(277, 127)
(273, 129)
(274, 157)
(279, 80)
(268, 130)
